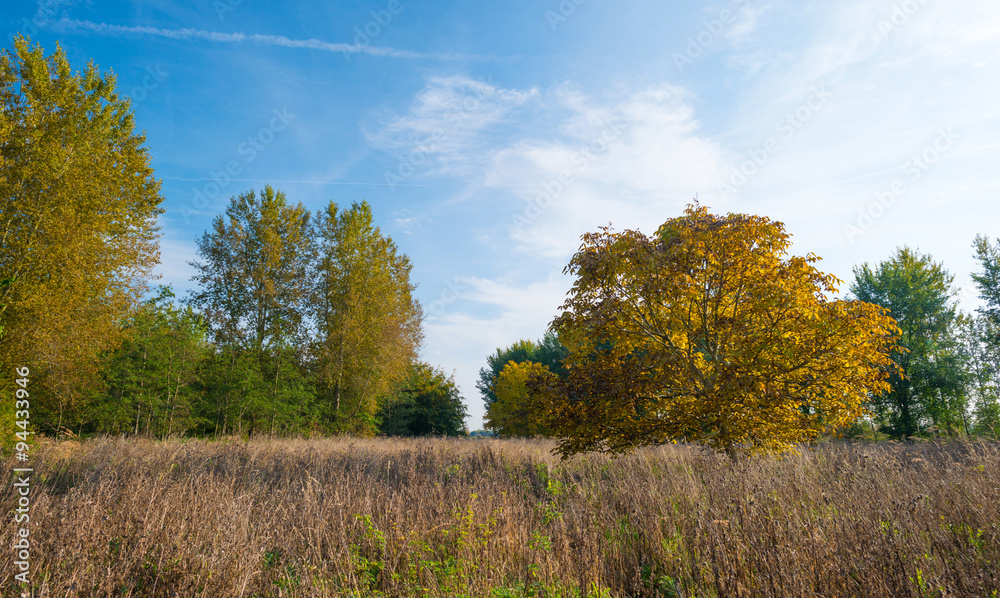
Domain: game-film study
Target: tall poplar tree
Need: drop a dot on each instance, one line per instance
(78, 233)
(254, 278)
(367, 321)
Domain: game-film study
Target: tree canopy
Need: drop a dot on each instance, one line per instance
(928, 389)
(429, 404)
(78, 232)
(547, 351)
(708, 332)
(517, 410)
(368, 324)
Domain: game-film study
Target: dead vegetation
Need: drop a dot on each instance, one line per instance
(349, 517)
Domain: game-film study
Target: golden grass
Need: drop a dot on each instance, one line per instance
(435, 517)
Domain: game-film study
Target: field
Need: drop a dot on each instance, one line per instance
(490, 518)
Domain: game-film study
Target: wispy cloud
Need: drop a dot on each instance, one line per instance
(452, 122)
(269, 40)
(634, 161)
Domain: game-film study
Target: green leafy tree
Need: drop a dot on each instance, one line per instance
(982, 339)
(929, 390)
(988, 280)
(982, 362)
(368, 324)
(428, 405)
(547, 351)
(150, 378)
(78, 232)
(708, 332)
(255, 279)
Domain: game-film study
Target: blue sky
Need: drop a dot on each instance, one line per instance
(489, 137)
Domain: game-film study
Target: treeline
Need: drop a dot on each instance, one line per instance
(299, 322)
(947, 382)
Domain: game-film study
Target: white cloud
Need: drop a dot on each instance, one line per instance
(445, 130)
(633, 163)
(747, 18)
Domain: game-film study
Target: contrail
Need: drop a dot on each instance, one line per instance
(269, 40)
(174, 178)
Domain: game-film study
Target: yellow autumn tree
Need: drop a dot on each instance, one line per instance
(517, 410)
(78, 232)
(368, 322)
(709, 332)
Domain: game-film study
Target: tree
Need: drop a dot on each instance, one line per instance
(708, 332)
(547, 351)
(367, 321)
(428, 405)
(150, 377)
(255, 274)
(255, 281)
(981, 335)
(78, 232)
(521, 350)
(982, 362)
(517, 410)
(929, 387)
(988, 280)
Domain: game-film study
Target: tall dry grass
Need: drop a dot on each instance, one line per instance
(433, 517)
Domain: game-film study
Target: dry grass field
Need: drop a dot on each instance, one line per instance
(489, 518)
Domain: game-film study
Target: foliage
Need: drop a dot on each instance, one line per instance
(988, 280)
(367, 321)
(77, 222)
(706, 332)
(428, 405)
(521, 350)
(255, 280)
(981, 359)
(547, 351)
(981, 337)
(149, 378)
(254, 272)
(929, 388)
(516, 412)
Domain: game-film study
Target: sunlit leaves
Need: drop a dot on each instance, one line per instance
(367, 321)
(78, 208)
(517, 410)
(707, 331)
(254, 272)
